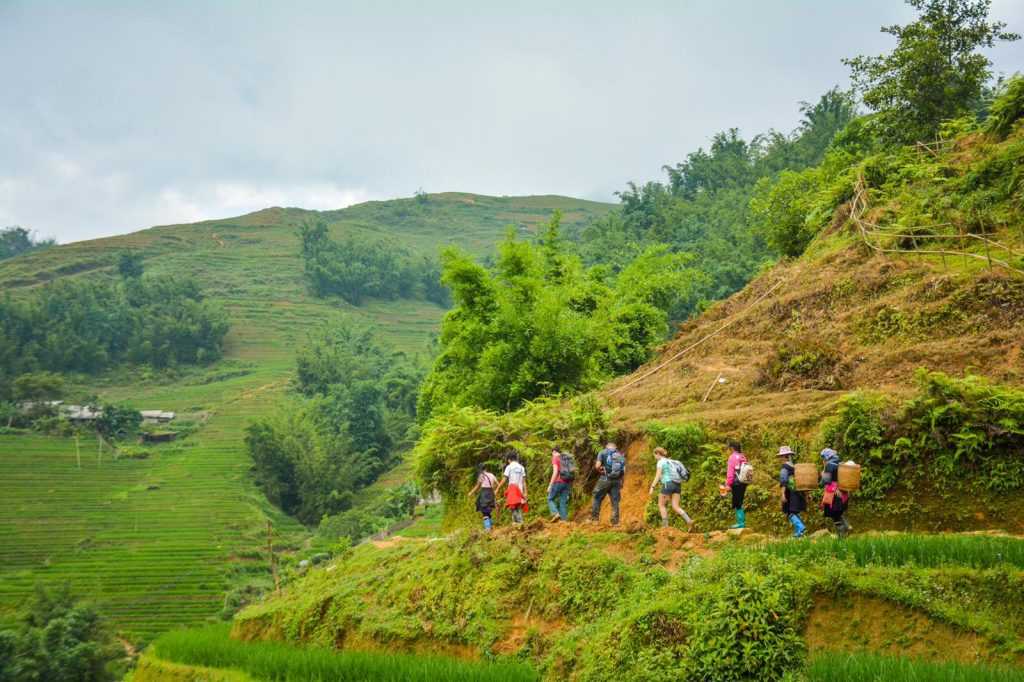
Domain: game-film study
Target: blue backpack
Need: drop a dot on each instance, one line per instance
(614, 464)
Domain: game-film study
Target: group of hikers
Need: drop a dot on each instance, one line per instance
(610, 465)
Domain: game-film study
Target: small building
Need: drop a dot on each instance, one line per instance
(80, 413)
(37, 406)
(156, 416)
(159, 437)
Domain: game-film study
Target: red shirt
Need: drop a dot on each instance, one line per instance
(556, 461)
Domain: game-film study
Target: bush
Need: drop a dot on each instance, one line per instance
(1006, 110)
(58, 638)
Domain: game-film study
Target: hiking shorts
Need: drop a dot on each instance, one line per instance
(673, 488)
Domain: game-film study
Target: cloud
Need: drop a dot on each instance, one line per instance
(117, 115)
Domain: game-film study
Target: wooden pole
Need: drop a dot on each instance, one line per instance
(78, 451)
(988, 254)
(711, 388)
(270, 553)
(99, 449)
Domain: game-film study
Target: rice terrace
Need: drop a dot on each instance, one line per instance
(544, 343)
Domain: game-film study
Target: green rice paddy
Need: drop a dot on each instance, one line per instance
(274, 662)
(156, 542)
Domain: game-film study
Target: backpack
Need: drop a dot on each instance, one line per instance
(745, 474)
(678, 471)
(614, 465)
(566, 466)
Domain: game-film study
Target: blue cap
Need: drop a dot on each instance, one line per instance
(828, 452)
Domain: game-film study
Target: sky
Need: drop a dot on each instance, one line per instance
(116, 116)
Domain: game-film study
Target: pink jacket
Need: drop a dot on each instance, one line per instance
(736, 460)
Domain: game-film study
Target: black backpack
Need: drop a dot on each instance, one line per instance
(566, 466)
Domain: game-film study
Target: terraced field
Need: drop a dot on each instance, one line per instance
(156, 542)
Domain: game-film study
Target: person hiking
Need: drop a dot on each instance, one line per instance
(671, 473)
(794, 502)
(485, 484)
(563, 472)
(612, 465)
(834, 502)
(515, 495)
(737, 476)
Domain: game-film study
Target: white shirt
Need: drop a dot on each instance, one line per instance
(516, 474)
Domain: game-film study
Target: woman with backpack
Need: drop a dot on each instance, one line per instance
(738, 474)
(485, 484)
(563, 472)
(794, 502)
(671, 473)
(834, 502)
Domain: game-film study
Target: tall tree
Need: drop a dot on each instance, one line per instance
(934, 73)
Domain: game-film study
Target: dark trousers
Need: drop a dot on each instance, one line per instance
(739, 491)
(613, 489)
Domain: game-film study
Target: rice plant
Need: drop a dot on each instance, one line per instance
(872, 668)
(925, 551)
(276, 662)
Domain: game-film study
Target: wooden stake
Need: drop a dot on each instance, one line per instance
(270, 552)
(711, 388)
(78, 451)
(99, 449)
(988, 255)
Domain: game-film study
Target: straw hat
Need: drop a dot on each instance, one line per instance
(785, 451)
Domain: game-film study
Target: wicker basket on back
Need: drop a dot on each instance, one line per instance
(806, 475)
(849, 476)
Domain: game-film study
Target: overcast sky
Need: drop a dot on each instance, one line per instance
(115, 116)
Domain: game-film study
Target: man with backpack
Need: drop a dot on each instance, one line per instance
(671, 473)
(612, 465)
(563, 473)
(738, 475)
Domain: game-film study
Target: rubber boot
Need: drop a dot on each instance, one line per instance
(798, 526)
(487, 523)
(741, 519)
(664, 522)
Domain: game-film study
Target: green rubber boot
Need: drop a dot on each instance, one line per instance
(741, 519)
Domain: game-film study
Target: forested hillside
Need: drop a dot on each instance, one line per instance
(168, 534)
(883, 319)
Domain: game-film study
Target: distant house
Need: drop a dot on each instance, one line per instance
(158, 437)
(156, 416)
(30, 406)
(80, 413)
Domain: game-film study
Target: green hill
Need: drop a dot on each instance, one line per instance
(156, 542)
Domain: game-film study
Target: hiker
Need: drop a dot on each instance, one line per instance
(563, 472)
(612, 465)
(794, 502)
(671, 473)
(485, 483)
(834, 502)
(515, 496)
(738, 474)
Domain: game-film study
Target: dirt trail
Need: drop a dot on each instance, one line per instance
(633, 507)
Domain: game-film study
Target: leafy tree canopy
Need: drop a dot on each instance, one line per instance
(354, 413)
(540, 323)
(16, 240)
(58, 639)
(934, 73)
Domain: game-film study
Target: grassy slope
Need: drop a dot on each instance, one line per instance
(593, 605)
(157, 558)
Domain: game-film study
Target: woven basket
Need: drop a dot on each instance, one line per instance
(806, 475)
(849, 477)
